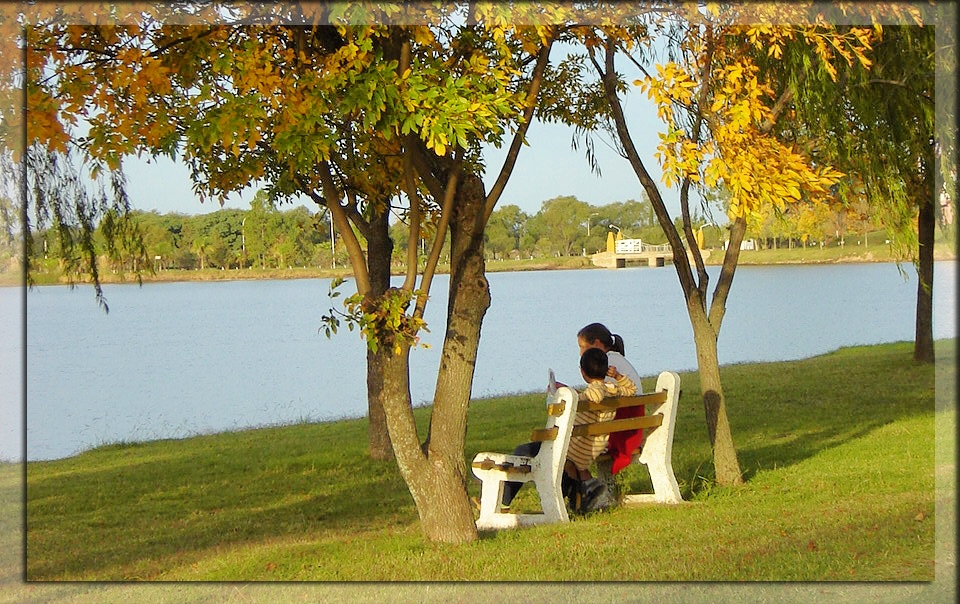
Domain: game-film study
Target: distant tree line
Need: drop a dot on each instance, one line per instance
(267, 237)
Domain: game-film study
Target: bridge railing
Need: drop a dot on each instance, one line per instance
(644, 249)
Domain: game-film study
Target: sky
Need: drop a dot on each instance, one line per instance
(549, 167)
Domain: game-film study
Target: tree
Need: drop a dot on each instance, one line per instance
(881, 127)
(505, 229)
(498, 241)
(308, 101)
(564, 223)
(718, 114)
(260, 228)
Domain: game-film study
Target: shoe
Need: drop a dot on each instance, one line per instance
(593, 495)
(590, 487)
(585, 493)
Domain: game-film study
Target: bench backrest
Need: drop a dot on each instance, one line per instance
(659, 410)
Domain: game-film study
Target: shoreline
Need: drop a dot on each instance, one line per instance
(362, 417)
(752, 258)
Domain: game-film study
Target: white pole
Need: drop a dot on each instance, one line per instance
(333, 241)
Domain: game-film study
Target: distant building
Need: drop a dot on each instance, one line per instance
(629, 246)
(746, 244)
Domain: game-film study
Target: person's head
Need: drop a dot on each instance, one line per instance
(596, 335)
(593, 364)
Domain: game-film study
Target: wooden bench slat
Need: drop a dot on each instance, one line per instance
(618, 425)
(555, 409)
(613, 403)
(543, 434)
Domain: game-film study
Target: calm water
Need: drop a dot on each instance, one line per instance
(176, 359)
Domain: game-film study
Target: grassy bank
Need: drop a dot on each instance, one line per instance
(875, 252)
(852, 252)
(838, 452)
(51, 276)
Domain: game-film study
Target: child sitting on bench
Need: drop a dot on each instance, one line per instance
(583, 450)
(578, 485)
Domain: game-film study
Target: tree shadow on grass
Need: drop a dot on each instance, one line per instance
(170, 502)
(785, 413)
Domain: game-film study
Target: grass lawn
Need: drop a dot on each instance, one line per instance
(848, 480)
(876, 251)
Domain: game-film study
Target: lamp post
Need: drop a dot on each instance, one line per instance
(611, 243)
(592, 214)
(588, 221)
(700, 233)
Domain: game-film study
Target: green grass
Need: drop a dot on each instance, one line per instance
(854, 251)
(838, 454)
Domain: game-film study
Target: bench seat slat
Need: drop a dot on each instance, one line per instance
(618, 425)
(613, 403)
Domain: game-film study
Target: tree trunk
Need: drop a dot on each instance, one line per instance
(378, 436)
(379, 254)
(435, 483)
(726, 465)
(469, 299)
(435, 472)
(927, 222)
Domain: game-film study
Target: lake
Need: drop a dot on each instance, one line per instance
(172, 360)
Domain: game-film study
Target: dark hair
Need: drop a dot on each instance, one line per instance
(593, 362)
(597, 332)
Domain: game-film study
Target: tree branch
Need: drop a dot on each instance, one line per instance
(332, 198)
(530, 104)
(431, 266)
(410, 186)
(703, 279)
(609, 81)
(718, 304)
(414, 147)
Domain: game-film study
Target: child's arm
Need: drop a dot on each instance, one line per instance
(592, 393)
(625, 386)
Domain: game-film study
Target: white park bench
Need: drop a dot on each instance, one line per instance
(545, 469)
